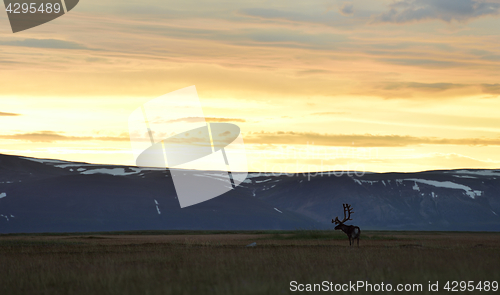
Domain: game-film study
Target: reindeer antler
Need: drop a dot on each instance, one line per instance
(348, 210)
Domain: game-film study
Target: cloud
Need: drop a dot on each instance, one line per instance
(329, 113)
(426, 87)
(410, 90)
(8, 114)
(346, 9)
(360, 140)
(201, 119)
(491, 88)
(209, 119)
(424, 63)
(312, 72)
(405, 11)
(51, 136)
(45, 43)
(300, 14)
(8, 62)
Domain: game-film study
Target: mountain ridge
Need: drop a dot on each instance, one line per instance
(46, 195)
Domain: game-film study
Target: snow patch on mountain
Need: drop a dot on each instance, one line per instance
(464, 176)
(261, 181)
(370, 182)
(446, 184)
(220, 177)
(112, 171)
(478, 172)
(73, 165)
(43, 161)
(157, 208)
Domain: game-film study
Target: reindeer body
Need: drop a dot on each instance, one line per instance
(353, 232)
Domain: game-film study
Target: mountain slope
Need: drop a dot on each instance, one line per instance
(61, 196)
(39, 195)
(433, 200)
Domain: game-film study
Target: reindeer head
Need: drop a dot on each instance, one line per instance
(347, 216)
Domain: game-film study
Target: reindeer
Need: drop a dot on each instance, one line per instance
(352, 232)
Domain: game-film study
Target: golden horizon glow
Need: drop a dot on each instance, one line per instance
(312, 86)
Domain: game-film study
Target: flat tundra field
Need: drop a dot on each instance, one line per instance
(282, 262)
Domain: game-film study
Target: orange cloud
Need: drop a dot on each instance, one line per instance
(8, 114)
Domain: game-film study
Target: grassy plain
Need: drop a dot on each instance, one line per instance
(199, 262)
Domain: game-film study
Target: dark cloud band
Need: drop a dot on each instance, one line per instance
(360, 140)
(406, 11)
(51, 136)
(8, 114)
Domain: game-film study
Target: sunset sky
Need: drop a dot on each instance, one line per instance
(367, 85)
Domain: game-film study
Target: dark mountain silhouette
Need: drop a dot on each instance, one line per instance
(39, 195)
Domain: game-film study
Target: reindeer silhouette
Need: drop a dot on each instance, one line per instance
(353, 232)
